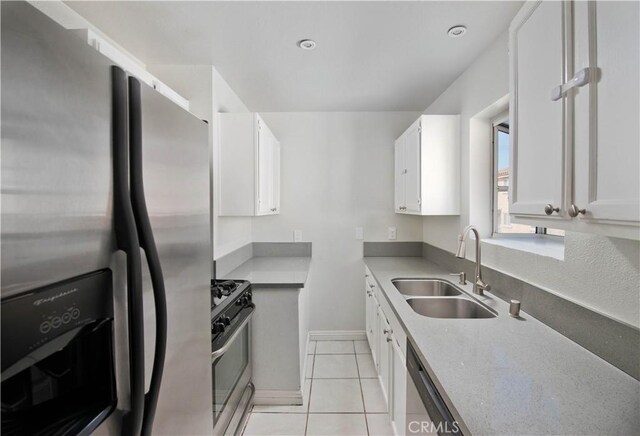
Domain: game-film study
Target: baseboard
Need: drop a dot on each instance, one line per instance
(337, 335)
(277, 398)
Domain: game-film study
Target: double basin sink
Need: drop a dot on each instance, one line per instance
(440, 299)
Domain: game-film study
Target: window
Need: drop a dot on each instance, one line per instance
(501, 160)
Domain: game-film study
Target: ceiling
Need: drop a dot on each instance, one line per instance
(371, 56)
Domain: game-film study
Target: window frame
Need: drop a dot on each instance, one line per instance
(498, 125)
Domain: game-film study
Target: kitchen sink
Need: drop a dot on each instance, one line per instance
(449, 308)
(426, 288)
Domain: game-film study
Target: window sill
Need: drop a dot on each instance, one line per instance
(542, 245)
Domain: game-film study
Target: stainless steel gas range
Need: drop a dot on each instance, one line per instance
(231, 312)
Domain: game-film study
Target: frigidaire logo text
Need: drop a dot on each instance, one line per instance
(53, 298)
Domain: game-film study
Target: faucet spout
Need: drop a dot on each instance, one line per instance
(479, 285)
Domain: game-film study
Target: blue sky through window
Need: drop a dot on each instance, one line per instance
(503, 150)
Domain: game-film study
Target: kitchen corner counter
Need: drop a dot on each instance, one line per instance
(511, 376)
(273, 272)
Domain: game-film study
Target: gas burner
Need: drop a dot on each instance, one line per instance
(222, 289)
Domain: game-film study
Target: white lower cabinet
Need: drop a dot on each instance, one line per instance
(399, 383)
(388, 347)
(372, 320)
(384, 355)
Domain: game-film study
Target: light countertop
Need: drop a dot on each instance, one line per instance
(507, 376)
(273, 272)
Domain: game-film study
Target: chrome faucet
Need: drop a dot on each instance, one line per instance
(479, 286)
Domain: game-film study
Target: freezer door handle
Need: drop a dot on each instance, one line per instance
(127, 240)
(147, 243)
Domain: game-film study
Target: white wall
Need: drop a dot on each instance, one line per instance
(208, 93)
(337, 173)
(598, 272)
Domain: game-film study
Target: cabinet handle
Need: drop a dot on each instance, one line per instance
(389, 339)
(574, 211)
(581, 78)
(387, 331)
(549, 209)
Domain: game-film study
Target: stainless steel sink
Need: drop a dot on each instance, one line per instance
(449, 308)
(426, 288)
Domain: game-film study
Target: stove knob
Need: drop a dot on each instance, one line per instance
(249, 297)
(218, 327)
(225, 320)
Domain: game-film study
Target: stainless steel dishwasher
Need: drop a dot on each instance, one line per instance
(426, 411)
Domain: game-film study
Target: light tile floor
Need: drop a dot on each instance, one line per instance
(342, 396)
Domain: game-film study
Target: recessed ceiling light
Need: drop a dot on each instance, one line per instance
(307, 44)
(457, 31)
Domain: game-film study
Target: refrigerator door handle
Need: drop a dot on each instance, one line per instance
(127, 241)
(147, 242)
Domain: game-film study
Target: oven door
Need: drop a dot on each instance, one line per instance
(231, 371)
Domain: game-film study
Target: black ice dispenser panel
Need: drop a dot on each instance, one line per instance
(58, 374)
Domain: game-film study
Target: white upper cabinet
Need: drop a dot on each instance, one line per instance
(427, 162)
(574, 69)
(607, 137)
(412, 173)
(536, 120)
(249, 166)
(399, 173)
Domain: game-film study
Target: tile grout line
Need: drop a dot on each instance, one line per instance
(364, 408)
(307, 413)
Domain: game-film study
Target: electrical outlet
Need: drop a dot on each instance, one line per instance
(359, 233)
(297, 236)
(392, 232)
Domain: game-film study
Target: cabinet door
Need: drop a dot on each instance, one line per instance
(607, 181)
(384, 355)
(399, 174)
(264, 177)
(275, 170)
(399, 388)
(372, 321)
(375, 342)
(369, 315)
(536, 42)
(412, 165)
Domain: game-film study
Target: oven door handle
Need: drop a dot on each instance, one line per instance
(215, 355)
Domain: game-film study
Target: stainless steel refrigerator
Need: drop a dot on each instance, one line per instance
(101, 173)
